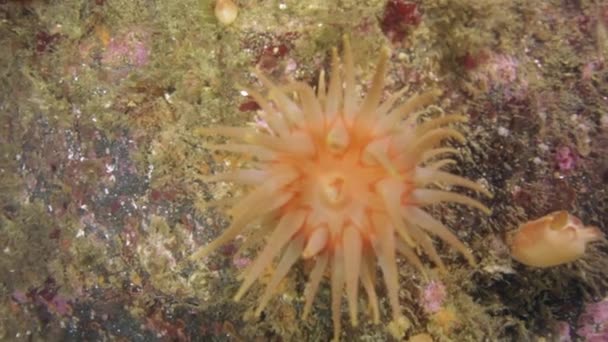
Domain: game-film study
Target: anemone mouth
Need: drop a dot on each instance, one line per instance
(343, 182)
(333, 189)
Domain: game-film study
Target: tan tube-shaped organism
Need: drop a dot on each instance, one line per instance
(552, 240)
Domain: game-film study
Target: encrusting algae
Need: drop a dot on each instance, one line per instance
(342, 181)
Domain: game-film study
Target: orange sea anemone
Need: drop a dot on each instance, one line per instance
(342, 181)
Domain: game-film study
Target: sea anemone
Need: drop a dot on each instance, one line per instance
(554, 239)
(342, 182)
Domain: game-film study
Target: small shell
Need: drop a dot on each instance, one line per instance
(226, 11)
(552, 240)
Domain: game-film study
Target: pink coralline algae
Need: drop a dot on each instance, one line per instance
(241, 262)
(129, 49)
(505, 68)
(593, 322)
(562, 332)
(45, 297)
(498, 73)
(433, 297)
(565, 158)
